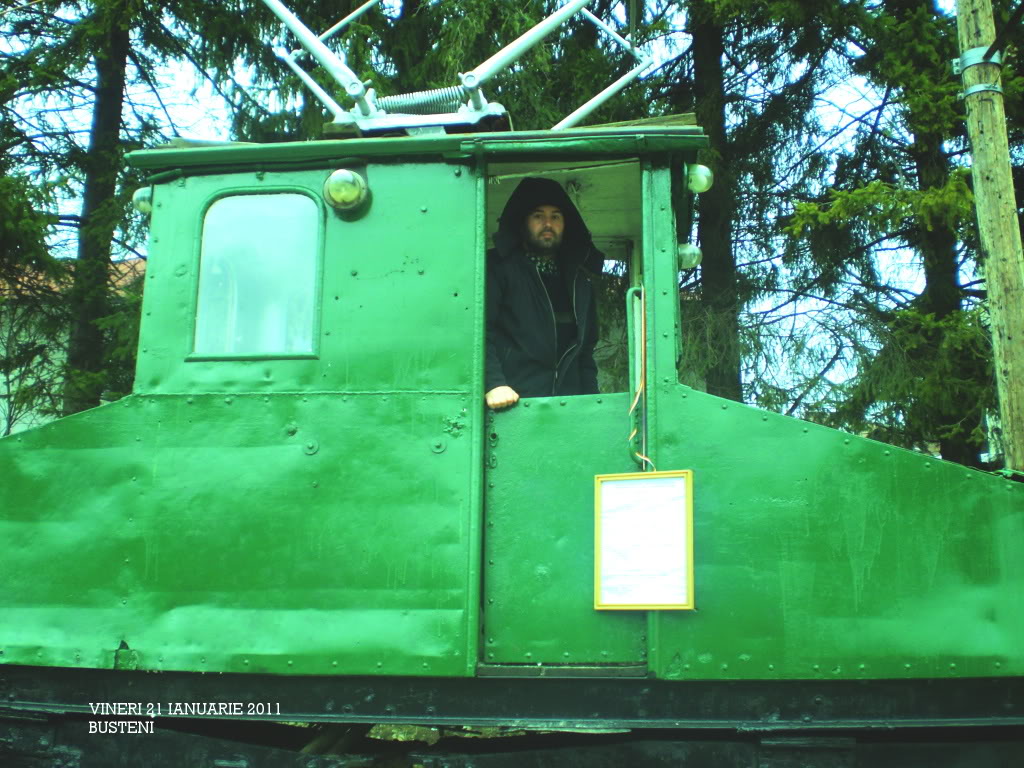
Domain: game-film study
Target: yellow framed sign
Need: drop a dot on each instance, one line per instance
(643, 546)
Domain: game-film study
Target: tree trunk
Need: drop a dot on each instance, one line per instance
(719, 292)
(88, 296)
(936, 243)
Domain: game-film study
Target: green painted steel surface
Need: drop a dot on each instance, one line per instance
(399, 294)
(539, 534)
(252, 532)
(824, 555)
(316, 515)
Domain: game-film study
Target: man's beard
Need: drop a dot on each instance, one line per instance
(544, 247)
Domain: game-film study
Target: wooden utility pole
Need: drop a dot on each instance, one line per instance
(997, 220)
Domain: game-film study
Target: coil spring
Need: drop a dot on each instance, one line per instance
(425, 102)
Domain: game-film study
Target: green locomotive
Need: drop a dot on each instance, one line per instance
(304, 508)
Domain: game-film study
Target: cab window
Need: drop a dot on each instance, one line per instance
(257, 277)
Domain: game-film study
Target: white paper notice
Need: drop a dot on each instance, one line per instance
(643, 549)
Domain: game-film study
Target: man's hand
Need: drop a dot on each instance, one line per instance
(501, 397)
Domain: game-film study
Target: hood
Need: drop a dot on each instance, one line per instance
(577, 245)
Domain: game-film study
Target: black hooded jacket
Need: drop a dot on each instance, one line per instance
(522, 345)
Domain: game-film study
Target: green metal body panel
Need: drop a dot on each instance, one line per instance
(129, 524)
(353, 510)
(400, 298)
(539, 534)
(824, 555)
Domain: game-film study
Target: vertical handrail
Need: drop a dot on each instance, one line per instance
(638, 374)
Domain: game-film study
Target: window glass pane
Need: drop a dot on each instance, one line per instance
(257, 276)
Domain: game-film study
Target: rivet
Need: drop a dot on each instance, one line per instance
(423, 209)
(771, 667)
(355, 272)
(458, 172)
(888, 453)
(846, 441)
(724, 406)
(526, 405)
(419, 271)
(906, 666)
(227, 401)
(379, 664)
(562, 402)
(600, 400)
(806, 430)
(817, 667)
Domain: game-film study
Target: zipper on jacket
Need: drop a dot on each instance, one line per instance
(554, 322)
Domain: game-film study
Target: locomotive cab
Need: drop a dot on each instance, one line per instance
(340, 354)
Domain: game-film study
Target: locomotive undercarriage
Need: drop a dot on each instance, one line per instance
(45, 719)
